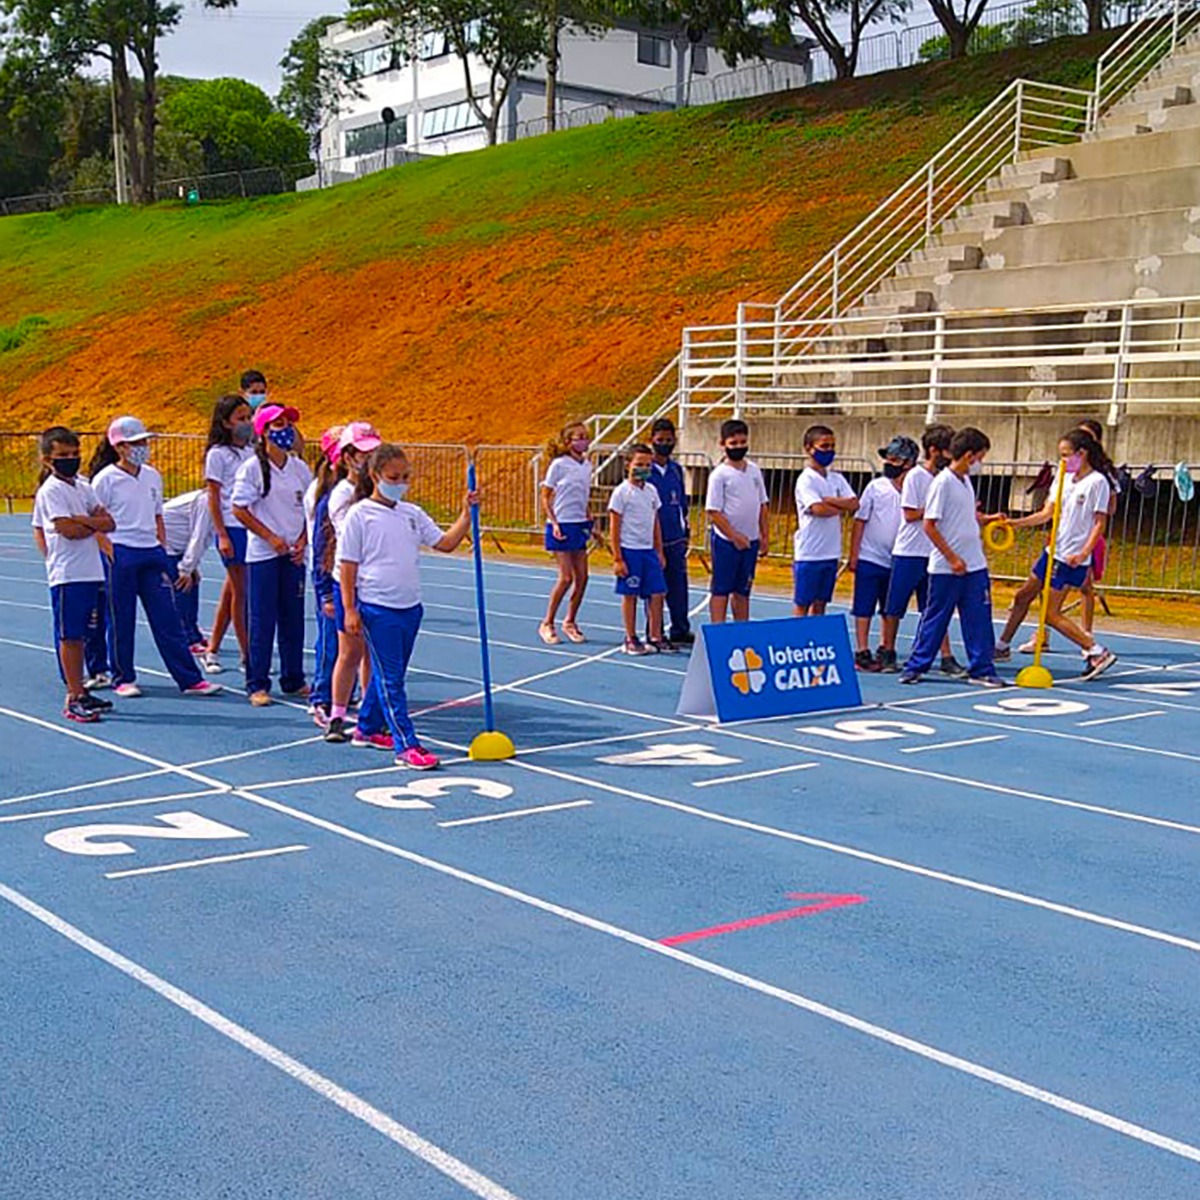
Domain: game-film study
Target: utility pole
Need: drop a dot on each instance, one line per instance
(118, 144)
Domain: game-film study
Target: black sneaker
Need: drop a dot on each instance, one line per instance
(664, 647)
(988, 681)
(952, 668)
(76, 710)
(887, 661)
(1097, 664)
(336, 732)
(95, 703)
(684, 639)
(910, 677)
(864, 660)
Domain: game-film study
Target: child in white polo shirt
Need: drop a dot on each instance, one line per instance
(637, 547)
(380, 578)
(268, 499)
(66, 518)
(566, 501)
(823, 498)
(737, 511)
(188, 527)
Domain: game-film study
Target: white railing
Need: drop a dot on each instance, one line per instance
(1123, 357)
(1162, 28)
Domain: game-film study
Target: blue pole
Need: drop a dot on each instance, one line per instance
(489, 717)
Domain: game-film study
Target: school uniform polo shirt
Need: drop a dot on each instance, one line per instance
(1082, 500)
(189, 528)
(134, 501)
(951, 504)
(385, 541)
(68, 560)
(221, 465)
(911, 539)
(818, 539)
(281, 510)
(571, 482)
(879, 511)
(739, 493)
(638, 508)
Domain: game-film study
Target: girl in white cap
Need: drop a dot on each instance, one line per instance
(268, 499)
(132, 492)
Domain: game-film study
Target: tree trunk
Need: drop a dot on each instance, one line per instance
(1096, 15)
(960, 39)
(150, 129)
(127, 118)
(552, 64)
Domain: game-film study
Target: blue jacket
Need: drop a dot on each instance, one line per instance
(671, 486)
(323, 581)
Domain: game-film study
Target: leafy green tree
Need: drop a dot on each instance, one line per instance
(506, 36)
(31, 108)
(316, 77)
(231, 125)
(960, 19)
(68, 34)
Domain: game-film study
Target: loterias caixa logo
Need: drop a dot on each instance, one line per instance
(791, 667)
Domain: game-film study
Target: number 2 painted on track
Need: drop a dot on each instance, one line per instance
(96, 840)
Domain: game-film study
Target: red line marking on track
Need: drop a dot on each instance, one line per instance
(822, 902)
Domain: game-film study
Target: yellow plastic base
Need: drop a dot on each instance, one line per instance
(491, 746)
(1034, 677)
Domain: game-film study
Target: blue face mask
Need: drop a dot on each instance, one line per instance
(256, 400)
(824, 458)
(139, 454)
(243, 432)
(395, 492)
(285, 439)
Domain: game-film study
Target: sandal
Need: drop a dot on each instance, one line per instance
(573, 632)
(548, 634)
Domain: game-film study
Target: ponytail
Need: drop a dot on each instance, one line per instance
(559, 445)
(264, 462)
(106, 454)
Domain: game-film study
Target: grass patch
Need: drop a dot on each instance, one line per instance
(13, 337)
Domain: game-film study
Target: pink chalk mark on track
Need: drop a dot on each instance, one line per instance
(820, 902)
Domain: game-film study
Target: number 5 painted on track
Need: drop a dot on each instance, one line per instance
(416, 795)
(181, 826)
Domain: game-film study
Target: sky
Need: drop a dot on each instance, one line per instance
(246, 42)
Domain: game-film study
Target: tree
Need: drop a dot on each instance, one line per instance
(506, 36)
(68, 34)
(959, 26)
(315, 79)
(31, 108)
(559, 16)
(822, 18)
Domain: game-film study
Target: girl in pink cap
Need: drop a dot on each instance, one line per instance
(268, 499)
(330, 472)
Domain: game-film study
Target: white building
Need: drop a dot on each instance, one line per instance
(620, 72)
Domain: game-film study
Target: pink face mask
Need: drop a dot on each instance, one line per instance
(581, 445)
(1074, 462)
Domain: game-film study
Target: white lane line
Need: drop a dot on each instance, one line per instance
(666, 731)
(390, 769)
(880, 860)
(355, 1106)
(815, 1007)
(1158, 712)
(87, 808)
(519, 812)
(704, 783)
(84, 787)
(187, 864)
(227, 758)
(975, 741)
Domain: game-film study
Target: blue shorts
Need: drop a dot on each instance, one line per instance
(732, 569)
(870, 588)
(910, 576)
(237, 535)
(645, 578)
(1064, 576)
(339, 609)
(813, 581)
(76, 609)
(575, 536)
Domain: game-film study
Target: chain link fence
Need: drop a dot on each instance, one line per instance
(1153, 537)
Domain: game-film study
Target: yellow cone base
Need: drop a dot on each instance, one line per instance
(491, 746)
(1034, 677)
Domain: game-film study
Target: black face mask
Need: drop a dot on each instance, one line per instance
(892, 471)
(736, 453)
(68, 468)
(664, 449)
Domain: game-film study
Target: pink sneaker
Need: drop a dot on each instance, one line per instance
(418, 759)
(373, 741)
(205, 687)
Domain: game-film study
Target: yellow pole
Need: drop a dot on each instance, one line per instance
(1037, 676)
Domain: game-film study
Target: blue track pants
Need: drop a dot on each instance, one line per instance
(390, 635)
(971, 595)
(275, 607)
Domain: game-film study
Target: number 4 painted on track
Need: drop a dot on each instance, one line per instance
(181, 826)
(664, 755)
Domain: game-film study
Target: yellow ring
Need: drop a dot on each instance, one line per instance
(999, 535)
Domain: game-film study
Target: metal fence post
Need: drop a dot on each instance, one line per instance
(739, 377)
(935, 370)
(929, 199)
(1174, 26)
(837, 264)
(1120, 385)
(683, 388)
(1019, 118)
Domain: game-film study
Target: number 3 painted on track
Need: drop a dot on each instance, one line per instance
(416, 795)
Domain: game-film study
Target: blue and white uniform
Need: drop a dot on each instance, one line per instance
(669, 481)
(385, 541)
(817, 545)
(275, 584)
(221, 465)
(638, 507)
(326, 592)
(189, 530)
(739, 493)
(73, 565)
(1082, 500)
(879, 511)
(141, 571)
(912, 547)
(570, 479)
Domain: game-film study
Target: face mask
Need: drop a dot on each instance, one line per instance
(823, 458)
(581, 445)
(68, 468)
(1074, 462)
(892, 471)
(285, 439)
(736, 453)
(395, 492)
(640, 473)
(664, 449)
(243, 431)
(139, 454)
(256, 400)
(975, 468)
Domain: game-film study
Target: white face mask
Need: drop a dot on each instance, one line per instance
(976, 468)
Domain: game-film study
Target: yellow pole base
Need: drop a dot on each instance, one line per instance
(1035, 676)
(491, 746)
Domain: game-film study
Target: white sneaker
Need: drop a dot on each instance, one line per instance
(128, 691)
(1030, 647)
(97, 682)
(211, 662)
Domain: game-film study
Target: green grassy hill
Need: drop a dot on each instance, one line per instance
(483, 296)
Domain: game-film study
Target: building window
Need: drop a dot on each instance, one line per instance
(369, 138)
(433, 45)
(699, 60)
(653, 51)
(377, 59)
(452, 118)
